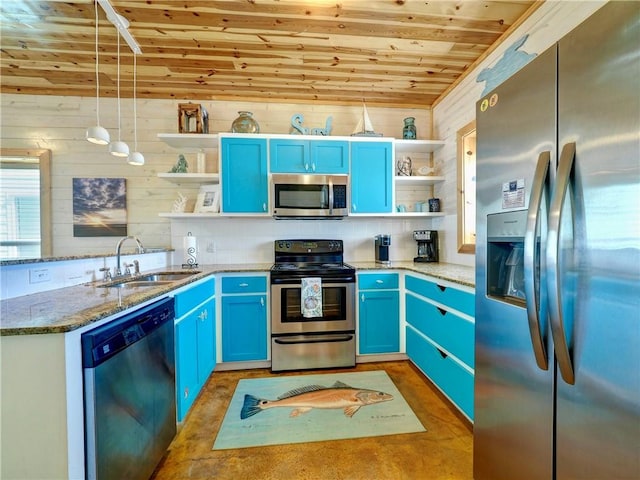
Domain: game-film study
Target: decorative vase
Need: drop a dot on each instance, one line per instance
(409, 129)
(245, 123)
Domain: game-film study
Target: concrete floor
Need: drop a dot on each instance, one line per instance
(443, 452)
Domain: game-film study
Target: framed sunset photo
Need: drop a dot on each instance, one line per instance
(99, 207)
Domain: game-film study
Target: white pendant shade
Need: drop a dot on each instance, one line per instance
(98, 135)
(119, 149)
(135, 158)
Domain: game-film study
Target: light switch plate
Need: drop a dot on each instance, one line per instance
(39, 275)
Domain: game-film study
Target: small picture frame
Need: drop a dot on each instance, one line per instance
(208, 200)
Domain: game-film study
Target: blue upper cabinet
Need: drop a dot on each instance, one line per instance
(371, 177)
(289, 156)
(308, 156)
(329, 156)
(245, 179)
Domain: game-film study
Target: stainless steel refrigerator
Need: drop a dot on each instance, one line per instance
(557, 378)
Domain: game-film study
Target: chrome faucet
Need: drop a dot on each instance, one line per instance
(118, 271)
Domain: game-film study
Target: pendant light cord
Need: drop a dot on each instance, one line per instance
(118, 77)
(135, 110)
(97, 71)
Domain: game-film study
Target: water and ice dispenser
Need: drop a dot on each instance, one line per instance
(505, 256)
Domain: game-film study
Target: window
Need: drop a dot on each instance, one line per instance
(24, 204)
(467, 188)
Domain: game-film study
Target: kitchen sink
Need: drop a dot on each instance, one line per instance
(148, 280)
(164, 276)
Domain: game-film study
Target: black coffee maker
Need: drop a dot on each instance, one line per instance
(382, 248)
(427, 245)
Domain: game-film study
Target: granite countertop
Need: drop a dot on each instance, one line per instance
(446, 271)
(66, 309)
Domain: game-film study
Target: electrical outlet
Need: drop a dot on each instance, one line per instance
(39, 275)
(211, 247)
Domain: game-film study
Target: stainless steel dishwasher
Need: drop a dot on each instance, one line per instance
(129, 393)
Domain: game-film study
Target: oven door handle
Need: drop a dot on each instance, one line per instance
(324, 338)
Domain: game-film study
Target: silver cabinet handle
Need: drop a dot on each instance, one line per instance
(535, 309)
(380, 282)
(243, 284)
(362, 297)
(565, 166)
(306, 167)
(262, 301)
(264, 207)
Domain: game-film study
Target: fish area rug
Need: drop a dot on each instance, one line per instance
(311, 408)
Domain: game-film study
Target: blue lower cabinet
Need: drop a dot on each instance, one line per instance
(455, 381)
(379, 321)
(455, 334)
(186, 365)
(206, 340)
(195, 342)
(244, 328)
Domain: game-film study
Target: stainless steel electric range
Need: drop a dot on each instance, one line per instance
(321, 337)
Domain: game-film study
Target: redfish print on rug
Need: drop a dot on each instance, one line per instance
(311, 408)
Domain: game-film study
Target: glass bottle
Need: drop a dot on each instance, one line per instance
(245, 123)
(409, 129)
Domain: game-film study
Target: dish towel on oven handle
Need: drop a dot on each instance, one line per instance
(311, 297)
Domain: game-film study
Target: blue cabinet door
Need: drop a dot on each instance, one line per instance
(289, 156)
(245, 184)
(379, 321)
(244, 328)
(187, 385)
(205, 318)
(371, 177)
(308, 156)
(329, 156)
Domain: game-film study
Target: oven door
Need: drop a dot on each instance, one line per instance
(338, 308)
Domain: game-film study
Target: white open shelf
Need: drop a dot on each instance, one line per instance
(418, 180)
(190, 142)
(196, 178)
(426, 146)
(188, 215)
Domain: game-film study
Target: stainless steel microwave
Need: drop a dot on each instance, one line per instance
(310, 196)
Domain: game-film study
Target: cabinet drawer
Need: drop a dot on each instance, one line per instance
(244, 284)
(197, 294)
(453, 333)
(377, 281)
(463, 301)
(448, 375)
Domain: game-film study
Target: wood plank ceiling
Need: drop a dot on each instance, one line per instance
(385, 52)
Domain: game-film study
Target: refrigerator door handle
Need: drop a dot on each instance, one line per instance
(565, 165)
(535, 308)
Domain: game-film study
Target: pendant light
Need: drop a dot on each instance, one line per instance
(135, 158)
(119, 148)
(97, 134)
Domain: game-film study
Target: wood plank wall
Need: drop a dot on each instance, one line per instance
(58, 123)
